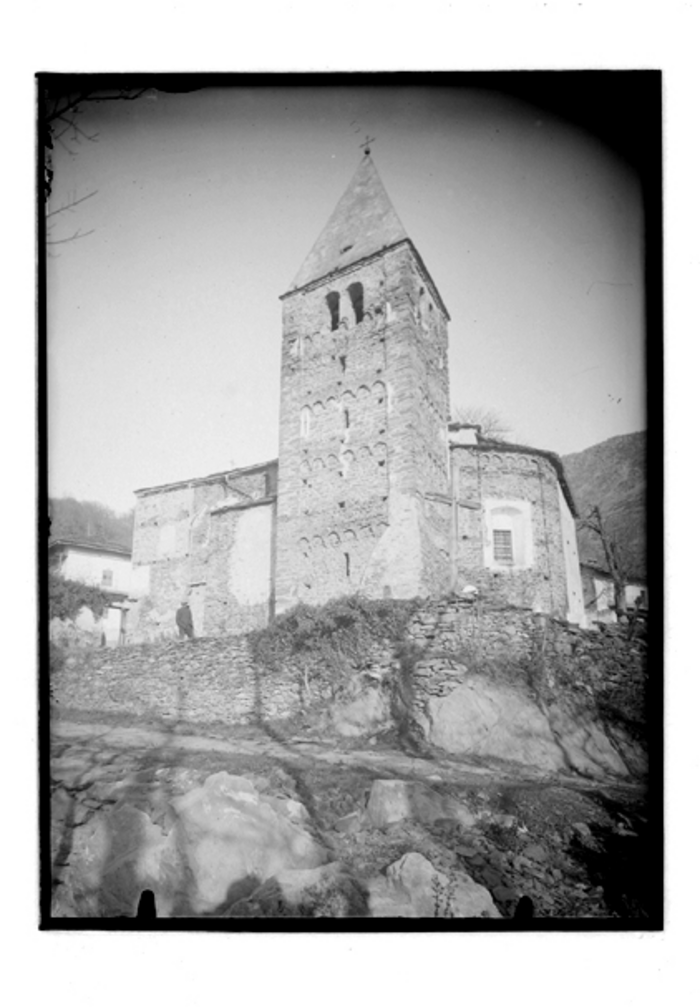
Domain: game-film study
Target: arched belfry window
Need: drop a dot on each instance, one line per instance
(333, 302)
(357, 299)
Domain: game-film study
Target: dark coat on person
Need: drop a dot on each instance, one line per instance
(183, 619)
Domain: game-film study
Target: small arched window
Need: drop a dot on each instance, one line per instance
(357, 299)
(333, 302)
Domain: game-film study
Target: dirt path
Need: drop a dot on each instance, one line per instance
(251, 742)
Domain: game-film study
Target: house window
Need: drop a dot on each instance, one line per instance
(357, 299)
(333, 302)
(503, 545)
(107, 578)
(347, 564)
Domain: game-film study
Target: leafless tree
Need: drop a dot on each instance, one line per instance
(60, 124)
(615, 562)
(493, 426)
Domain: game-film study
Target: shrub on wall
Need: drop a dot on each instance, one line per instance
(340, 634)
(68, 597)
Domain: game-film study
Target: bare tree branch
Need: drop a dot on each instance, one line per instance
(73, 237)
(71, 205)
(593, 522)
(60, 126)
(72, 124)
(493, 426)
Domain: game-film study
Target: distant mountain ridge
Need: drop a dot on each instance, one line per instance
(612, 475)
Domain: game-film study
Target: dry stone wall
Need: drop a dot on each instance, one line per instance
(456, 636)
(200, 681)
(574, 677)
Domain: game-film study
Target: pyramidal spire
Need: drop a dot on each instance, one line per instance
(363, 223)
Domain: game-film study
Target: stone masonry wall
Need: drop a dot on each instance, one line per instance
(483, 475)
(216, 680)
(603, 663)
(198, 540)
(363, 407)
(202, 681)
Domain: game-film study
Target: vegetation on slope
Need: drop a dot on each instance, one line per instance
(87, 521)
(340, 633)
(612, 476)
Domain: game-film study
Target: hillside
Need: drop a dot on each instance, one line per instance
(89, 522)
(612, 476)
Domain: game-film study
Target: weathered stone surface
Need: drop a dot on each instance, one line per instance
(231, 833)
(350, 824)
(327, 891)
(208, 843)
(413, 888)
(588, 749)
(393, 801)
(536, 852)
(482, 718)
(369, 712)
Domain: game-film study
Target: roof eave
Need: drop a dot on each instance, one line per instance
(202, 480)
(550, 456)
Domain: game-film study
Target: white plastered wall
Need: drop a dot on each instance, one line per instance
(574, 586)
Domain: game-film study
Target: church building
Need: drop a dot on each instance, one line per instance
(374, 491)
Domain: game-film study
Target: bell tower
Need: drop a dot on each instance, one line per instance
(363, 456)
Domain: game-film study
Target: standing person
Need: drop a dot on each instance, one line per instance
(183, 619)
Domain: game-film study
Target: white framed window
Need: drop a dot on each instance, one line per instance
(508, 541)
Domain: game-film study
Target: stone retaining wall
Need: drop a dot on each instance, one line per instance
(605, 664)
(216, 679)
(201, 681)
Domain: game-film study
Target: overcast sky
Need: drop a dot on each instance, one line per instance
(164, 323)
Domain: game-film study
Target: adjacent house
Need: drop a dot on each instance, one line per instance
(599, 593)
(103, 565)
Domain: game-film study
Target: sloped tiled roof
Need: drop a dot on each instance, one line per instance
(362, 224)
(83, 543)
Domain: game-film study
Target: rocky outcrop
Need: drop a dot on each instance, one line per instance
(392, 801)
(413, 888)
(232, 833)
(367, 714)
(487, 719)
(197, 852)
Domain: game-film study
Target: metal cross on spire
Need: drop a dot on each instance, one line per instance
(366, 143)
